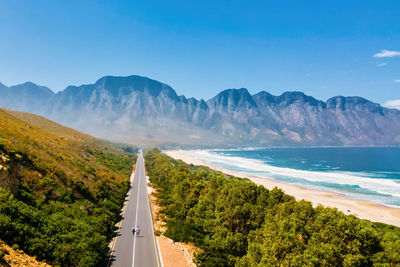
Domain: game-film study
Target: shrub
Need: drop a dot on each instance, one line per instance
(3, 252)
(157, 233)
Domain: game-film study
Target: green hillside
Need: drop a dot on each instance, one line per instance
(61, 190)
(237, 223)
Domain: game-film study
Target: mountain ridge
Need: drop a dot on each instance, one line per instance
(97, 82)
(114, 106)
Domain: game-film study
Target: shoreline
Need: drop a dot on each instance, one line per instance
(362, 209)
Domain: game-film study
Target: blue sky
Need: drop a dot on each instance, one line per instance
(323, 48)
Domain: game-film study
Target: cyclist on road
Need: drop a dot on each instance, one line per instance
(137, 230)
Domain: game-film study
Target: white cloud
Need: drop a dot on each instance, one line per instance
(392, 104)
(387, 53)
(397, 81)
(381, 64)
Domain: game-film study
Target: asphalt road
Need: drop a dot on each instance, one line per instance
(129, 249)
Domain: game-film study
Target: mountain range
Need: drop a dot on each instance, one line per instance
(139, 110)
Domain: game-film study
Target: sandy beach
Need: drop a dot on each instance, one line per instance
(362, 209)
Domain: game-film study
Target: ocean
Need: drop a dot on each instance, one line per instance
(363, 173)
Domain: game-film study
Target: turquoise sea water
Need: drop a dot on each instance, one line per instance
(371, 174)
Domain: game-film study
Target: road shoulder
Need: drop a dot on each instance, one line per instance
(174, 254)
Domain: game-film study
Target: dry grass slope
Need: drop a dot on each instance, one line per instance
(48, 125)
(55, 147)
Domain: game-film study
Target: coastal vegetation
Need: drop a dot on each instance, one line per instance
(61, 191)
(237, 223)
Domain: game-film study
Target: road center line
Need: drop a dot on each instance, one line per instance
(137, 209)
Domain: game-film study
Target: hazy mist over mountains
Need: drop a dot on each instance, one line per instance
(140, 110)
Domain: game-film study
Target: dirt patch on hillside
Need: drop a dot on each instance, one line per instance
(11, 257)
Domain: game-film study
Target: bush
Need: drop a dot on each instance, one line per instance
(157, 233)
(3, 252)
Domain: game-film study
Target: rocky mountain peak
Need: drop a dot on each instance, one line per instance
(232, 99)
(32, 88)
(291, 97)
(352, 102)
(120, 86)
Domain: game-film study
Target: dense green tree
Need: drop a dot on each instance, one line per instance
(236, 222)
